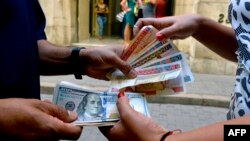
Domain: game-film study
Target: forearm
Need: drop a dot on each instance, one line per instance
(220, 39)
(54, 60)
(213, 132)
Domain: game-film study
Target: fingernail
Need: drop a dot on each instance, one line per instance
(121, 94)
(160, 36)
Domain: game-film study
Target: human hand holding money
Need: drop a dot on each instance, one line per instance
(163, 65)
(160, 66)
(94, 107)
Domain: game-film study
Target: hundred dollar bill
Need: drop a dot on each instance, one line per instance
(94, 107)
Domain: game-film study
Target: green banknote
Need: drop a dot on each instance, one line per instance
(94, 107)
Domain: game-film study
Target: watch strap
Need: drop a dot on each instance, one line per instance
(74, 60)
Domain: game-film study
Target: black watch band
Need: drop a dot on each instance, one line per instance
(74, 60)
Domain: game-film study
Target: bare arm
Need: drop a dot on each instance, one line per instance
(95, 62)
(131, 124)
(54, 59)
(213, 132)
(219, 38)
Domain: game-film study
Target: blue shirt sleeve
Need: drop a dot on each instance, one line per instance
(41, 23)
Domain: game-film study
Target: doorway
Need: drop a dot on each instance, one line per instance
(113, 27)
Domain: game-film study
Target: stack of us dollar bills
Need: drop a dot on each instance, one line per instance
(161, 67)
(94, 108)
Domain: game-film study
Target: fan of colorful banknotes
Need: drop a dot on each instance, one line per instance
(161, 67)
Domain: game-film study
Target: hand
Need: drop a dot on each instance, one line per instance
(133, 125)
(173, 27)
(98, 62)
(30, 119)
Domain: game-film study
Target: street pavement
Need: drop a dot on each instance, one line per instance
(204, 102)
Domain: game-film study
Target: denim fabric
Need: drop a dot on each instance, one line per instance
(101, 20)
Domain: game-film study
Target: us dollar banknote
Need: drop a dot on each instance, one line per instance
(94, 107)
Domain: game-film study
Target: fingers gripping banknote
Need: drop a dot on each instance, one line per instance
(159, 65)
(94, 107)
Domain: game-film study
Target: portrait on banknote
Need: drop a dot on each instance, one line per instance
(90, 108)
(162, 69)
(95, 108)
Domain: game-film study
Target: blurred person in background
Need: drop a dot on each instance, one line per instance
(155, 8)
(25, 55)
(148, 8)
(129, 6)
(101, 9)
(161, 8)
(233, 45)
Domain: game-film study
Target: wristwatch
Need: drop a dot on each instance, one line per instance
(75, 62)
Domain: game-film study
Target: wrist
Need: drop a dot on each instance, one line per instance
(201, 24)
(75, 62)
(169, 134)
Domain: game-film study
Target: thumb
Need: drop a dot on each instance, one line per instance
(123, 106)
(131, 118)
(127, 70)
(60, 112)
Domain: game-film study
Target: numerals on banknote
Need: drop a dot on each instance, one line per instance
(94, 107)
(161, 70)
(161, 67)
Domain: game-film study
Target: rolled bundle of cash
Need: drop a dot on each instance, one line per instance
(94, 108)
(161, 67)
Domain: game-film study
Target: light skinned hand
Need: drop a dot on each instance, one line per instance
(31, 119)
(99, 61)
(173, 27)
(133, 125)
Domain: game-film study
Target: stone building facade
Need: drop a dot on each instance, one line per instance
(70, 21)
